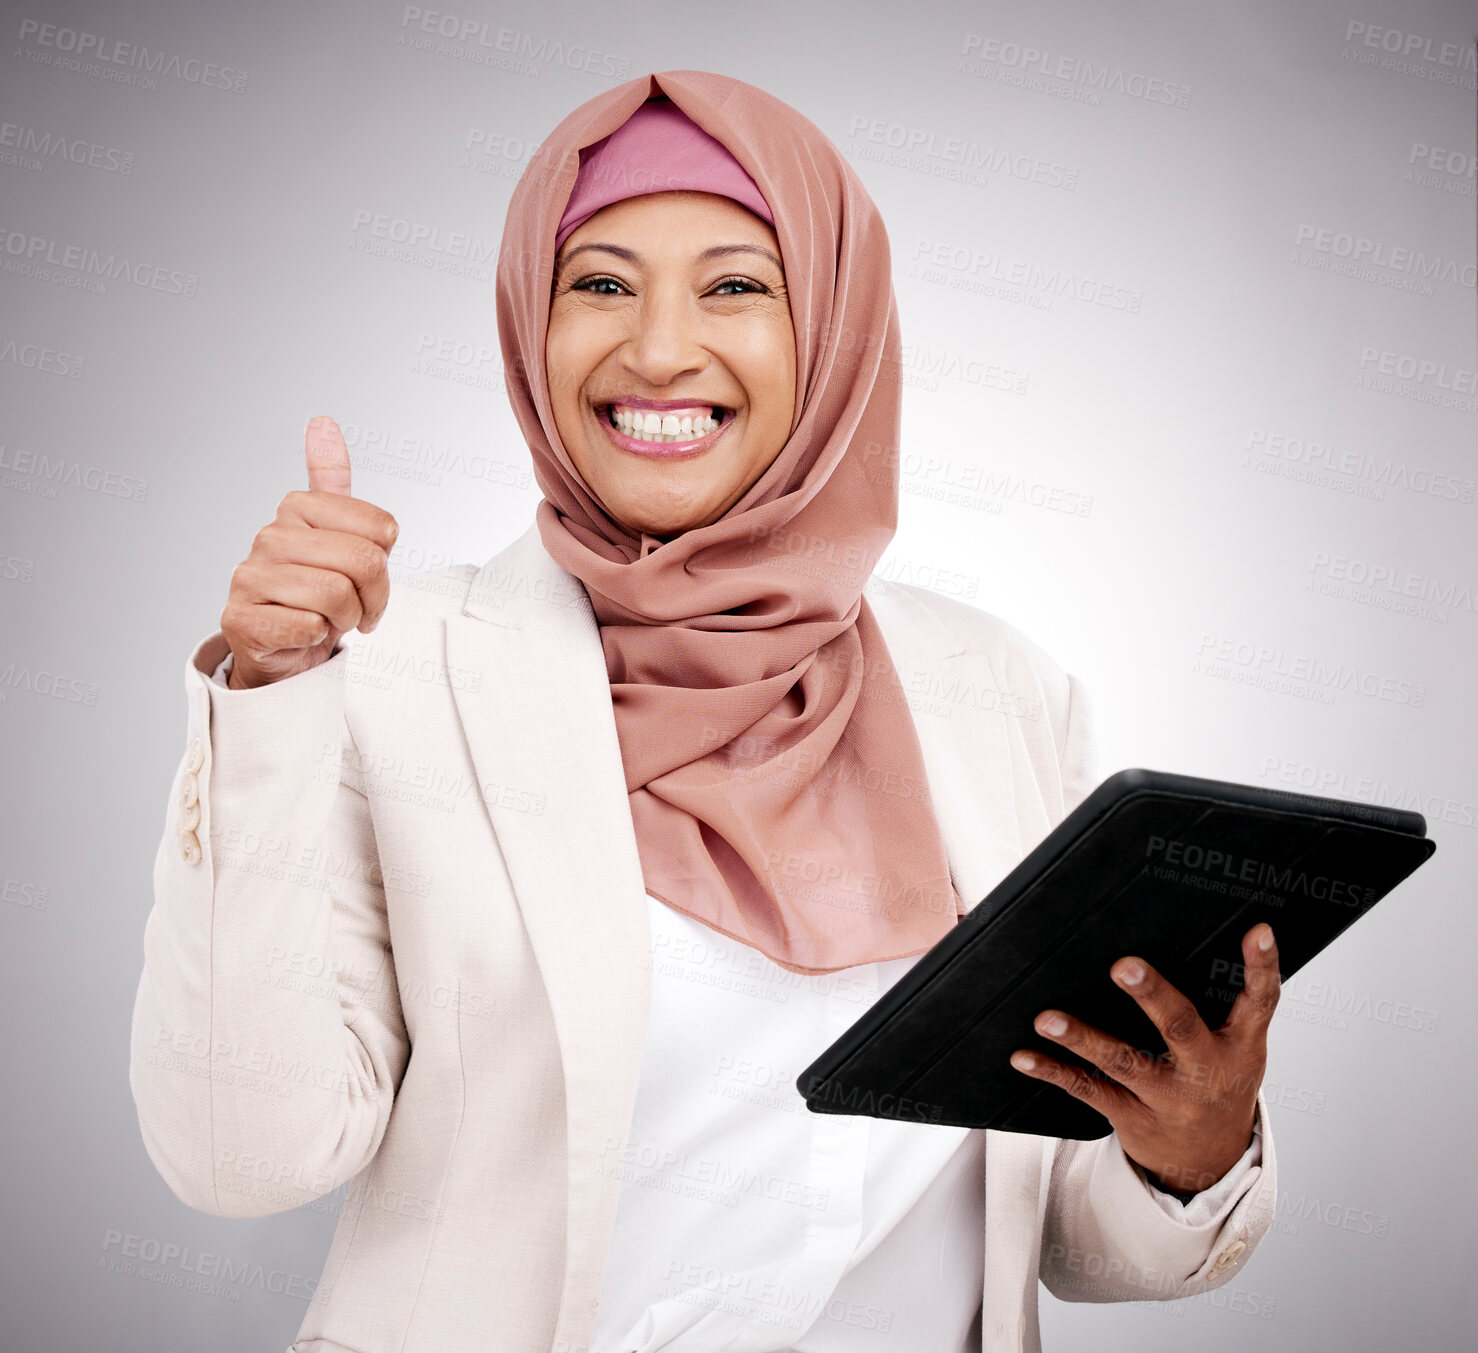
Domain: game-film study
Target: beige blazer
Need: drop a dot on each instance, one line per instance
(399, 937)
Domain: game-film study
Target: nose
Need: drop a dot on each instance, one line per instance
(665, 341)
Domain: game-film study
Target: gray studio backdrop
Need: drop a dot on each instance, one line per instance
(1187, 297)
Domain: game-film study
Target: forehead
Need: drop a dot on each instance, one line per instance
(673, 223)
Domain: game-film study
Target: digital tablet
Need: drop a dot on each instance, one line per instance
(1168, 867)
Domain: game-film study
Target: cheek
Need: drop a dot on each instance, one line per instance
(571, 351)
(557, 366)
(769, 366)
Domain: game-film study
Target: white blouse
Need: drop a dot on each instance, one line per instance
(747, 1223)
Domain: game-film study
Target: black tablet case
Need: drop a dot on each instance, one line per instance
(935, 1046)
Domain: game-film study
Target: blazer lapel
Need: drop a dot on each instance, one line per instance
(540, 728)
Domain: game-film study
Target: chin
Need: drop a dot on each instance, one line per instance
(640, 518)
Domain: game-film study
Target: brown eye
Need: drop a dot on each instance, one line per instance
(591, 284)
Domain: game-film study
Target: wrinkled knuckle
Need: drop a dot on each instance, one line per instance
(370, 560)
(1082, 1084)
(328, 590)
(341, 589)
(1182, 1025)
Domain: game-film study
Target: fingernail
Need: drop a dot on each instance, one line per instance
(1023, 1061)
(1131, 974)
(1265, 940)
(1053, 1024)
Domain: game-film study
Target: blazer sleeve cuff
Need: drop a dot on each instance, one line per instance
(1196, 1249)
(1215, 1202)
(249, 731)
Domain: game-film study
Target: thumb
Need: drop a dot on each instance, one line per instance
(327, 455)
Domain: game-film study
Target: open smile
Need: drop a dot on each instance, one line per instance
(664, 429)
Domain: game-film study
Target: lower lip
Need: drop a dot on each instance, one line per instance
(664, 450)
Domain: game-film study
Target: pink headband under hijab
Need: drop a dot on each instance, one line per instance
(658, 149)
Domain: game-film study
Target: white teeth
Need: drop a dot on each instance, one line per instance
(653, 427)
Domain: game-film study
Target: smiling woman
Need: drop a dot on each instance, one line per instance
(710, 822)
(672, 375)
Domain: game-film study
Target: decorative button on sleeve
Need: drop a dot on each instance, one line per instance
(188, 798)
(1226, 1259)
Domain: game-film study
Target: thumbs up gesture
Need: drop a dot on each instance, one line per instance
(319, 569)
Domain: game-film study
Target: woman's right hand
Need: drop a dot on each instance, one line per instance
(319, 569)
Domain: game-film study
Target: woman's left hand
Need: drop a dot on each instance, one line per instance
(1185, 1117)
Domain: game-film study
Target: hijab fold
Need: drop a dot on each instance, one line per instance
(774, 775)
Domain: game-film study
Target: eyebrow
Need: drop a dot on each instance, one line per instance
(717, 251)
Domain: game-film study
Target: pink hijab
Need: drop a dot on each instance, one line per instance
(774, 774)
